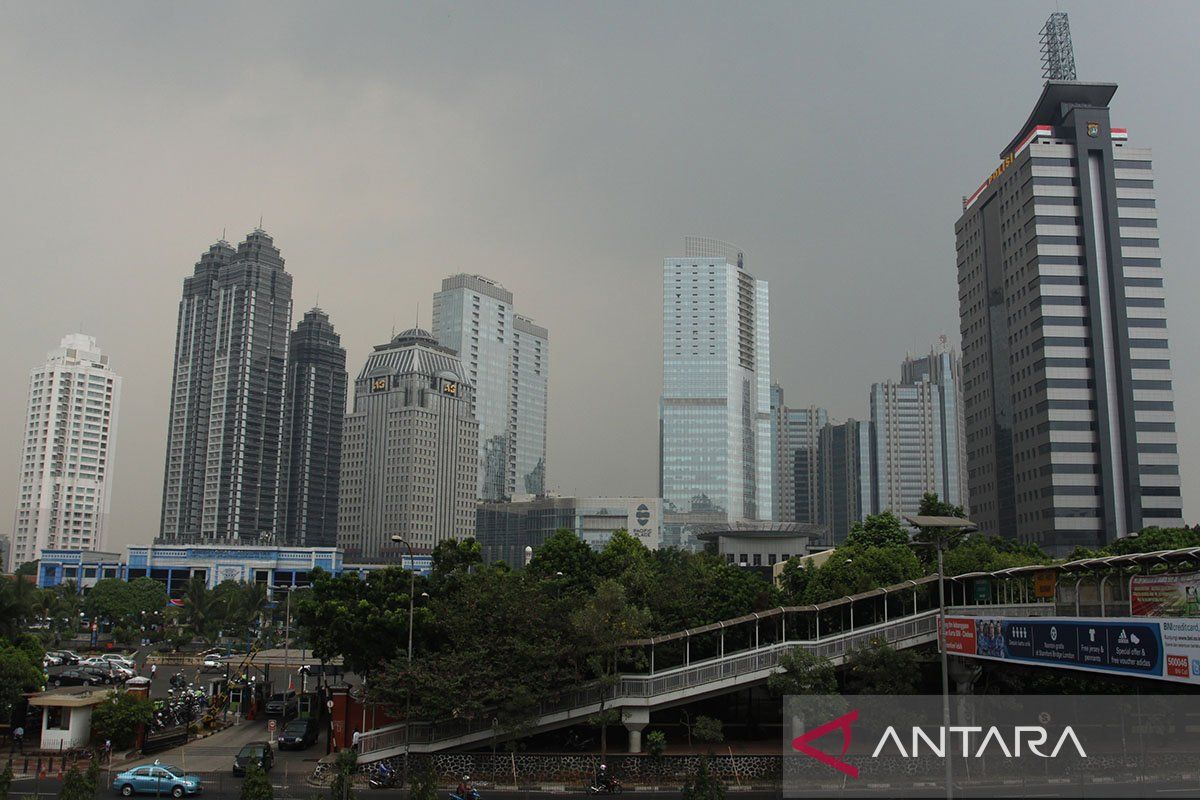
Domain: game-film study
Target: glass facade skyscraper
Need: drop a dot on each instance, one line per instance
(796, 433)
(507, 358)
(716, 449)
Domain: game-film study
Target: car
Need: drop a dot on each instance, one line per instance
(254, 753)
(77, 677)
(156, 778)
(299, 734)
(283, 704)
(120, 660)
(51, 660)
(213, 661)
(66, 657)
(110, 668)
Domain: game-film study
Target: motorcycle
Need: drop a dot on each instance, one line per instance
(471, 795)
(382, 777)
(612, 787)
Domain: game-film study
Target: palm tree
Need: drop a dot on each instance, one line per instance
(17, 605)
(197, 605)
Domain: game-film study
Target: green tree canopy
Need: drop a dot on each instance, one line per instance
(123, 602)
(877, 668)
(851, 570)
(878, 530)
(118, 718)
(20, 672)
(256, 786)
(803, 672)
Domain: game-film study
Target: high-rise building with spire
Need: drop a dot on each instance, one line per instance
(1068, 388)
(63, 492)
(225, 430)
(316, 408)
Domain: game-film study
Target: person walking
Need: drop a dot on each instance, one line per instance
(18, 735)
(153, 671)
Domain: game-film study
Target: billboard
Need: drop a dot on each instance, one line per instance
(1165, 595)
(1124, 646)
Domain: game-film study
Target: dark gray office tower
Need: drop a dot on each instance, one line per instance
(1070, 418)
(795, 433)
(845, 469)
(224, 435)
(316, 408)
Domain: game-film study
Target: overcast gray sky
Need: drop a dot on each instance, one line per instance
(563, 149)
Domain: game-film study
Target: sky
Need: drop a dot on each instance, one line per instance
(563, 149)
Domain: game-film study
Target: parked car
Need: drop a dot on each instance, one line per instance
(299, 734)
(254, 753)
(283, 704)
(66, 657)
(51, 660)
(77, 677)
(159, 779)
(120, 660)
(102, 674)
(110, 668)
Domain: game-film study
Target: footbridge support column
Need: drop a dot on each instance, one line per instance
(636, 720)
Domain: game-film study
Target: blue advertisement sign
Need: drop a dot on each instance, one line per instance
(1128, 646)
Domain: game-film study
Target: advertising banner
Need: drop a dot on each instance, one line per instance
(1127, 646)
(1045, 583)
(1165, 595)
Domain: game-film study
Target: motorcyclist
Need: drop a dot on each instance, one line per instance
(464, 789)
(603, 778)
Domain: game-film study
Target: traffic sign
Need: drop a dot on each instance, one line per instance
(271, 725)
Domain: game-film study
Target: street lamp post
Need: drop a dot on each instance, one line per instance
(944, 528)
(412, 594)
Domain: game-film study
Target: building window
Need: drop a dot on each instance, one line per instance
(758, 559)
(58, 718)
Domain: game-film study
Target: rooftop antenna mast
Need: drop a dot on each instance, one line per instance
(1058, 56)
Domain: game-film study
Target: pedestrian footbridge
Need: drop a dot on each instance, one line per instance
(693, 664)
(1032, 615)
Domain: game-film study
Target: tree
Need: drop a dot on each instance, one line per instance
(797, 573)
(605, 622)
(456, 555)
(424, 784)
(878, 668)
(118, 718)
(656, 744)
(257, 785)
(802, 671)
(124, 602)
(17, 604)
(707, 729)
(851, 570)
(878, 530)
(20, 672)
(198, 606)
(343, 776)
(976, 553)
(566, 553)
(6, 779)
(364, 621)
(76, 787)
(703, 785)
(29, 568)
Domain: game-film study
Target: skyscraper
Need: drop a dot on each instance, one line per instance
(916, 435)
(225, 431)
(1069, 406)
(410, 452)
(844, 477)
(63, 493)
(796, 432)
(507, 358)
(316, 408)
(715, 442)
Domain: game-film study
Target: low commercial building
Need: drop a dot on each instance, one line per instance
(175, 565)
(762, 545)
(505, 529)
